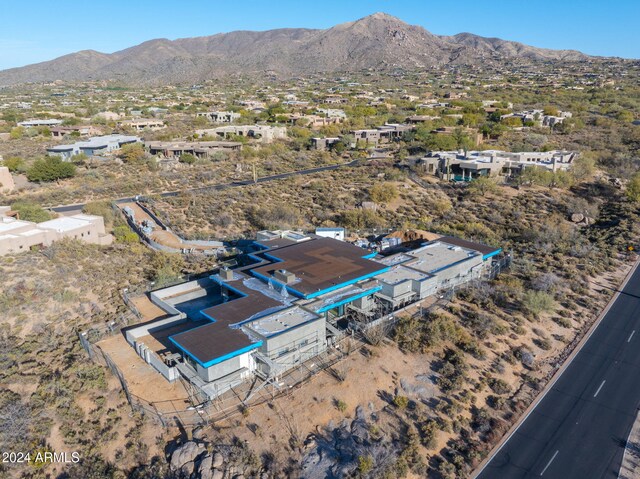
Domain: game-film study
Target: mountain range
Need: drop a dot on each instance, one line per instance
(379, 41)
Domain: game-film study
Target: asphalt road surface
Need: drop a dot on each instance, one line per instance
(579, 429)
(264, 179)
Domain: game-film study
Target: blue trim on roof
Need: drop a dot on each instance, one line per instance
(253, 256)
(347, 283)
(273, 258)
(255, 242)
(217, 360)
(210, 318)
(226, 285)
(370, 255)
(349, 299)
(266, 279)
(233, 354)
(323, 291)
(492, 254)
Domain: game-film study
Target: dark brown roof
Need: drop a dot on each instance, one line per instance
(212, 341)
(215, 340)
(482, 248)
(320, 264)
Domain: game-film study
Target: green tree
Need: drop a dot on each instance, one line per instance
(124, 234)
(483, 185)
(633, 188)
(538, 302)
(625, 116)
(14, 163)
(188, 158)
(383, 193)
(30, 211)
(16, 133)
(79, 159)
(584, 166)
(132, 153)
(51, 168)
(365, 464)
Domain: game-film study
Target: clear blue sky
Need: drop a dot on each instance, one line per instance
(39, 30)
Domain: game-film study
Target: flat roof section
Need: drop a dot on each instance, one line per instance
(480, 247)
(399, 274)
(281, 321)
(64, 223)
(436, 256)
(12, 225)
(220, 340)
(320, 265)
(213, 343)
(341, 296)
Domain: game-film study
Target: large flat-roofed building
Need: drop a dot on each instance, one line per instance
(143, 124)
(460, 165)
(98, 145)
(37, 123)
(220, 116)
(312, 268)
(17, 236)
(201, 149)
(290, 302)
(81, 130)
(260, 133)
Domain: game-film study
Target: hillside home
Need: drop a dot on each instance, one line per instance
(95, 146)
(291, 301)
(17, 235)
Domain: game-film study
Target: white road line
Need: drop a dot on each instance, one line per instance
(631, 335)
(549, 463)
(600, 388)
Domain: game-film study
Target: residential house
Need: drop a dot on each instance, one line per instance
(17, 235)
(220, 116)
(464, 166)
(96, 146)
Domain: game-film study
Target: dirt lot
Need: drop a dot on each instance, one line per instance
(142, 380)
(370, 380)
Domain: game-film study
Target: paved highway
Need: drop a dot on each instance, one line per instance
(202, 189)
(579, 429)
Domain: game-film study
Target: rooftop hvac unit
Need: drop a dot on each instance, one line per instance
(284, 276)
(226, 274)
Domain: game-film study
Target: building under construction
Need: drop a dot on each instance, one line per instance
(293, 297)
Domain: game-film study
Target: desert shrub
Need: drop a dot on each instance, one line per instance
(538, 302)
(51, 168)
(383, 193)
(429, 434)
(30, 211)
(499, 386)
(401, 402)
(340, 405)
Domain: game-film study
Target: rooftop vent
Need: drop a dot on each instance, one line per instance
(284, 276)
(226, 274)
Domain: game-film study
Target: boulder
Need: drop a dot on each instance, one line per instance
(218, 460)
(577, 217)
(205, 464)
(188, 452)
(187, 468)
(217, 474)
(360, 431)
